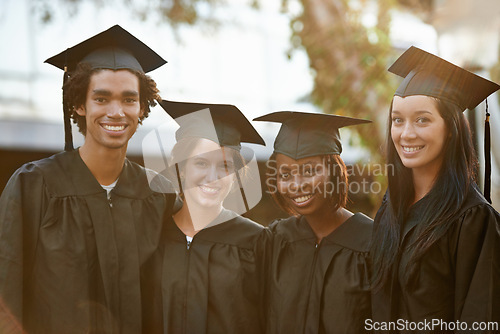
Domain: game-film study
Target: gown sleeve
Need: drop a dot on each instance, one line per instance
(477, 285)
(21, 210)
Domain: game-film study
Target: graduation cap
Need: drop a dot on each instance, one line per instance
(225, 125)
(429, 75)
(230, 125)
(308, 134)
(112, 49)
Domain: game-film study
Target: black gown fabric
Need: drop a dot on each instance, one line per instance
(72, 261)
(215, 286)
(459, 277)
(320, 288)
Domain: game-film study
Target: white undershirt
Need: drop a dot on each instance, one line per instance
(110, 187)
(189, 240)
(225, 215)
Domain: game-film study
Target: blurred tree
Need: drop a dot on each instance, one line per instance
(349, 62)
(175, 12)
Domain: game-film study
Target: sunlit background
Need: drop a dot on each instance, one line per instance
(262, 56)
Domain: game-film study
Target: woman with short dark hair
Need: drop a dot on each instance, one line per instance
(319, 273)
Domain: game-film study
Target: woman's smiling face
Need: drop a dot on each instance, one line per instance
(208, 174)
(418, 132)
(302, 183)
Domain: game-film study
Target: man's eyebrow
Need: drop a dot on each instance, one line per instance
(130, 93)
(103, 92)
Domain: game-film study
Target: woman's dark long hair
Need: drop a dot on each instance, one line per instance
(457, 172)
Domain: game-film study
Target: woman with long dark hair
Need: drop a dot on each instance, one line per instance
(436, 239)
(319, 273)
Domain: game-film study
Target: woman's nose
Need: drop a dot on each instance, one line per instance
(212, 174)
(299, 184)
(408, 131)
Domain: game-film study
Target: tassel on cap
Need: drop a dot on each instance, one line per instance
(242, 191)
(487, 156)
(68, 136)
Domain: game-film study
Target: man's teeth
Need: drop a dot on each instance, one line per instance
(209, 189)
(302, 199)
(412, 149)
(113, 127)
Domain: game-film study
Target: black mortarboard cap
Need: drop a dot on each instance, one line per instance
(308, 134)
(231, 126)
(112, 49)
(429, 75)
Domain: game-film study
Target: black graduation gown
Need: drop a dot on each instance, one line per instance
(458, 278)
(215, 286)
(321, 288)
(70, 260)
